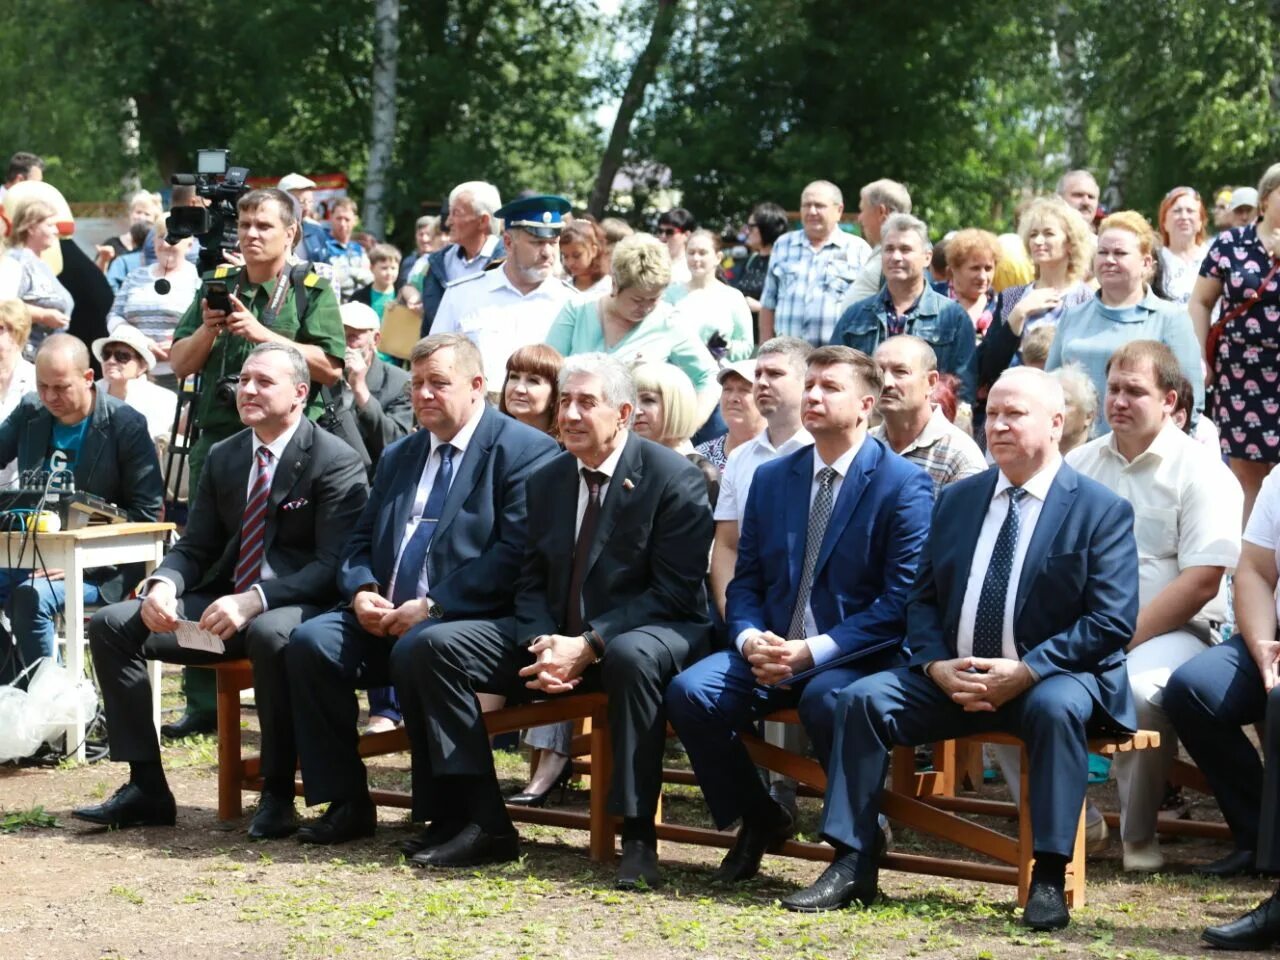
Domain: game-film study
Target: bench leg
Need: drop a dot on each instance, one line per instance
(230, 764)
(1075, 869)
(602, 826)
(1026, 842)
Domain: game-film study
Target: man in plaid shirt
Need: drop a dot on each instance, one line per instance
(810, 270)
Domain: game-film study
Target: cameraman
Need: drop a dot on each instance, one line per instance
(215, 343)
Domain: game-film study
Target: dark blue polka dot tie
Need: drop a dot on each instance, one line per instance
(988, 626)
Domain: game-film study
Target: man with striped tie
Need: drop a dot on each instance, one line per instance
(1024, 599)
(275, 505)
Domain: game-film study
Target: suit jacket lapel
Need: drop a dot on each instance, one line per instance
(407, 486)
(630, 467)
(467, 473)
(970, 513)
(293, 463)
(1057, 503)
(799, 488)
(860, 470)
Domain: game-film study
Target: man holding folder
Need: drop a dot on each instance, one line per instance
(826, 558)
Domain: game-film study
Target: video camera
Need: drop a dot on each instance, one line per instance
(213, 225)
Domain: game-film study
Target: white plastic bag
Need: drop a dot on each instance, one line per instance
(18, 738)
(42, 712)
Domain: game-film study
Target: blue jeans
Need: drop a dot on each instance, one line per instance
(32, 605)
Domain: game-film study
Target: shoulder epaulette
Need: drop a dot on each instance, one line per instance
(220, 273)
(461, 280)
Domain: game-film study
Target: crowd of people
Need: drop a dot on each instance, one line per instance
(914, 489)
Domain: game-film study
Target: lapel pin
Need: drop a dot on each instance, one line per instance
(627, 484)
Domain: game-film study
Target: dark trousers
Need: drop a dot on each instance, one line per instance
(121, 645)
(329, 658)
(1210, 698)
(439, 669)
(904, 707)
(718, 696)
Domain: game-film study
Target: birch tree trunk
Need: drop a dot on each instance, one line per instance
(382, 129)
(642, 75)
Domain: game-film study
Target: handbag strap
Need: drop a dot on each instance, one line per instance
(1240, 308)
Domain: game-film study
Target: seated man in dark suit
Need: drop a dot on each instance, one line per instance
(103, 446)
(441, 538)
(275, 504)
(610, 597)
(1026, 595)
(825, 562)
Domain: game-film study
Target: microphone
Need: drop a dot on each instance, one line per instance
(163, 286)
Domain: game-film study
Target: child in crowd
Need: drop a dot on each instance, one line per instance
(384, 261)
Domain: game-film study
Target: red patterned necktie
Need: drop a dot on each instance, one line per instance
(254, 526)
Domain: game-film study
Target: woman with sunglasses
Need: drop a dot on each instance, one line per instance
(126, 358)
(1182, 221)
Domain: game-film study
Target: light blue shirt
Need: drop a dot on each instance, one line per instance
(1090, 332)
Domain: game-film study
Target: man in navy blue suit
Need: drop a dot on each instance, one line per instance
(441, 538)
(826, 558)
(1026, 595)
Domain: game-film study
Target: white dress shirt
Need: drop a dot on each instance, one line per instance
(461, 440)
(608, 468)
(498, 318)
(1037, 488)
(1187, 508)
(821, 647)
(735, 479)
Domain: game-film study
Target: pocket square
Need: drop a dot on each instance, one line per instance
(295, 504)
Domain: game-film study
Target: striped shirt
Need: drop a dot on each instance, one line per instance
(804, 287)
(156, 315)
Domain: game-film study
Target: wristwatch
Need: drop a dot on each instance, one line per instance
(434, 610)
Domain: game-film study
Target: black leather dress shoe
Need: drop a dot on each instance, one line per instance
(742, 862)
(130, 807)
(638, 868)
(345, 820)
(847, 879)
(189, 725)
(1259, 929)
(1237, 863)
(1046, 907)
(435, 833)
(275, 818)
(470, 847)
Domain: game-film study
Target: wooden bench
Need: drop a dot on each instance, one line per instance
(237, 772)
(926, 802)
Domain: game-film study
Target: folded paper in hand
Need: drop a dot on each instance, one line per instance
(195, 637)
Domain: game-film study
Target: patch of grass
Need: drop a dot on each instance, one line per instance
(11, 821)
(128, 894)
(200, 750)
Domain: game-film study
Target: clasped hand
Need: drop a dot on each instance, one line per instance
(981, 683)
(380, 617)
(775, 660)
(559, 663)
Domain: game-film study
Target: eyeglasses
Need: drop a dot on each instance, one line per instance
(667, 231)
(752, 225)
(123, 355)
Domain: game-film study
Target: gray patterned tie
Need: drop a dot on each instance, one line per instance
(988, 624)
(819, 515)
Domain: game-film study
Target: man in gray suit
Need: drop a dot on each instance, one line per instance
(275, 505)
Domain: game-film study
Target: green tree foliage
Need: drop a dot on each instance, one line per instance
(490, 89)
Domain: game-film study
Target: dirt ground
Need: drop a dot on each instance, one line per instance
(203, 890)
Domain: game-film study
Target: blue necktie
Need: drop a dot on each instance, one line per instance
(414, 557)
(988, 625)
(819, 517)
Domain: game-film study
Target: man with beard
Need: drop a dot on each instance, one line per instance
(514, 305)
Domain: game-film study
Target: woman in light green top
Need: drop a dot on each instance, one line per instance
(714, 310)
(633, 324)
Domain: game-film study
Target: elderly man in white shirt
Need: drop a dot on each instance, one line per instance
(1187, 517)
